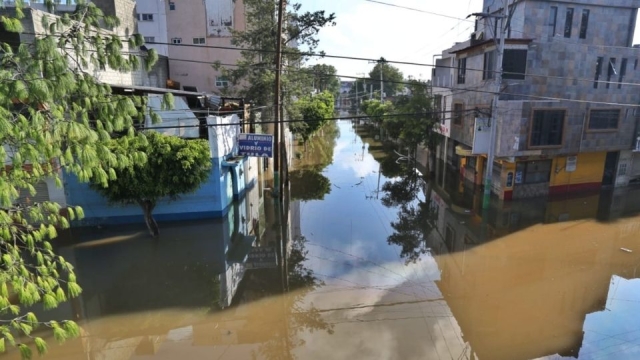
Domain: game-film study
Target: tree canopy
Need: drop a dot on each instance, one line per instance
(171, 167)
(55, 118)
(325, 79)
(392, 78)
(254, 75)
(415, 122)
(314, 111)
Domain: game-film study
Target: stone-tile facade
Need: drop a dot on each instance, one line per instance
(589, 65)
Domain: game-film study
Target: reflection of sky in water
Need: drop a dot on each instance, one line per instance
(613, 333)
(345, 219)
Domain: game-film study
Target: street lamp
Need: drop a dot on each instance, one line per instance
(496, 97)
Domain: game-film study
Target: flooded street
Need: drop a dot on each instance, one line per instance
(377, 264)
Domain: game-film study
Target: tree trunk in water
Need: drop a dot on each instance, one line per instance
(147, 208)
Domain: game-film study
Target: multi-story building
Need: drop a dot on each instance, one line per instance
(566, 116)
(194, 36)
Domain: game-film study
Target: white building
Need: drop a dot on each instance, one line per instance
(152, 23)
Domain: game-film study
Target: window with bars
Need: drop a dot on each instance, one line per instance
(462, 70)
(547, 128)
(489, 65)
(458, 113)
(604, 119)
(172, 5)
(149, 39)
(199, 41)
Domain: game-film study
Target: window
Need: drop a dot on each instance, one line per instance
(547, 127)
(462, 70)
(172, 5)
(437, 107)
(458, 113)
(584, 23)
(604, 119)
(611, 71)
(489, 65)
(145, 17)
(514, 64)
(471, 163)
(553, 16)
(176, 40)
(222, 81)
(534, 172)
(598, 71)
(199, 41)
(149, 39)
(622, 169)
(623, 72)
(568, 23)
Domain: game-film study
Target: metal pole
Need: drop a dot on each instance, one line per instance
(381, 83)
(276, 106)
(494, 110)
(357, 107)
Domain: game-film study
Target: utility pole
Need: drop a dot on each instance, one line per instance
(493, 125)
(381, 63)
(278, 134)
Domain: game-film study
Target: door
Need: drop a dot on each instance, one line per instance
(610, 165)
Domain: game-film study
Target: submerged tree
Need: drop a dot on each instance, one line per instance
(313, 112)
(55, 118)
(414, 121)
(172, 167)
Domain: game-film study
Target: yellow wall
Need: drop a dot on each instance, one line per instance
(589, 169)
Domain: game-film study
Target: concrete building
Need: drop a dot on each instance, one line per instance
(152, 24)
(191, 30)
(566, 118)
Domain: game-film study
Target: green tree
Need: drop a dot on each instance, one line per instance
(392, 78)
(55, 118)
(325, 79)
(415, 122)
(314, 111)
(377, 111)
(173, 166)
(254, 75)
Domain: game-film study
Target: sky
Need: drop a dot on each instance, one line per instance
(372, 30)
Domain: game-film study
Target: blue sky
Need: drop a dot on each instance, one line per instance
(371, 30)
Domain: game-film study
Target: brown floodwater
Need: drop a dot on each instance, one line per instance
(363, 273)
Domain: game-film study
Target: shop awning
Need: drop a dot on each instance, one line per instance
(463, 150)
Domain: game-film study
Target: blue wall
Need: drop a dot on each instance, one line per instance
(211, 200)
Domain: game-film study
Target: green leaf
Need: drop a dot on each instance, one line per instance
(72, 329)
(25, 351)
(59, 334)
(41, 345)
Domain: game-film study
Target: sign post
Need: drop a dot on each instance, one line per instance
(255, 145)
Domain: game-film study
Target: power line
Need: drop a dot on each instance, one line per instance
(419, 10)
(344, 57)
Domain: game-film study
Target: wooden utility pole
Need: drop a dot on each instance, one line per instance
(277, 135)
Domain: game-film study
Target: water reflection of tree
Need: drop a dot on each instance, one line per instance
(410, 193)
(307, 180)
(297, 317)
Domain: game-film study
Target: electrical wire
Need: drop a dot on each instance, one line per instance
(566, 78)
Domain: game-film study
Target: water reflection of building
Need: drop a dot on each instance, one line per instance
(129, 278)
(521, 283)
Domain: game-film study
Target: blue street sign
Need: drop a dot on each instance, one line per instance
(255, 145)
